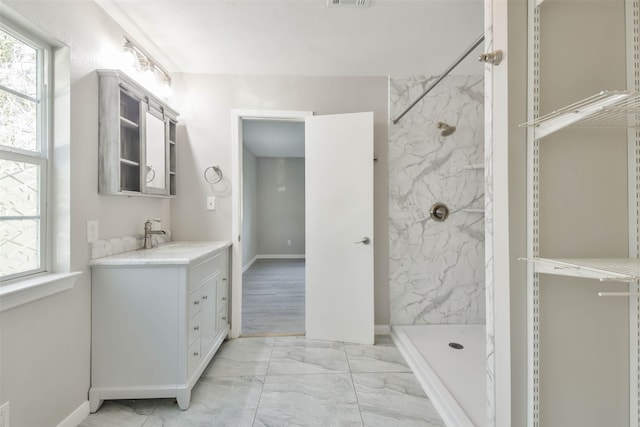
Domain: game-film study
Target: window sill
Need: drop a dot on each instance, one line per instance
(25, 291)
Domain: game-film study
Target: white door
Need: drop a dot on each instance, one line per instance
(339, 227)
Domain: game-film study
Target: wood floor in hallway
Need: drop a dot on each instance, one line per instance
(273, 297)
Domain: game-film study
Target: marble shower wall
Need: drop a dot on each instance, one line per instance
(437, 269)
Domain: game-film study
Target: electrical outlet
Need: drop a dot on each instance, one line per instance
(92, 231)
(4, 415)
(211, 203)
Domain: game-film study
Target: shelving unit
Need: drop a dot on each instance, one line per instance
(130, 119)
(605, 109)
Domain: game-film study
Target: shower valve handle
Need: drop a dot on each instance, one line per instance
(365, 240)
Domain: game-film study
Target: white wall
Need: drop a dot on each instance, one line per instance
(205, 102)
(281, 210)
(249, 207)
(45, 345)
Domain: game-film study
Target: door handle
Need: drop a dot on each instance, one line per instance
(365, 240)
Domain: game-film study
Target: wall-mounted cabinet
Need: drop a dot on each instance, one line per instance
(137, 139)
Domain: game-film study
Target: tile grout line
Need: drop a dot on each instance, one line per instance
(149, 416)
(355, 392)
(266, 373)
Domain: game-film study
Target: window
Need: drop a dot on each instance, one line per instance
(24, 154)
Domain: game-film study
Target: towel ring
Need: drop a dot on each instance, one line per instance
(153, 176)
(218, 172)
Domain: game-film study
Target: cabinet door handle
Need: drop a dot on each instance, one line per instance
(196, 354)
(224, 298)
(196, 328)
(224, 318)
(205, 297)
(196, 302)
(224, 279)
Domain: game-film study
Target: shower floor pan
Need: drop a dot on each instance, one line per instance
(454, 379)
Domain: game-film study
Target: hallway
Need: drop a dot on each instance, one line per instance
(273, 297)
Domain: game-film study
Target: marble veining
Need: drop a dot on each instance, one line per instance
(233, 393)
(308, 400)
(168, 253)
(437, 268)
(394, 399)
(298, 355)
(118, 245)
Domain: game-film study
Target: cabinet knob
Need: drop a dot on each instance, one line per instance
(196, 302)
(224, 298)
(196, 328)
(224, 318)
(205, 297)
(196, 354)
(224, 279)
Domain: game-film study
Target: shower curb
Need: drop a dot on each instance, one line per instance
(446, 405)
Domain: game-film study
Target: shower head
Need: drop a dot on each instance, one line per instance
(446, 129)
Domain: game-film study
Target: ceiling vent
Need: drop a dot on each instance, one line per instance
(359, 3)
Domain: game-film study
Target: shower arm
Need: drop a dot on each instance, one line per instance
(450, 68)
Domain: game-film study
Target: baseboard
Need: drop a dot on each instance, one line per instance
(250, 263)
(382, 330)
(291, 256)
(77, 416)
(257, 257)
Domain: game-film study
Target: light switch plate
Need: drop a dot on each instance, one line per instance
(211, 203)
(92, 231)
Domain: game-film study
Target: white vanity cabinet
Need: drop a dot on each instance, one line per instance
(158, 317)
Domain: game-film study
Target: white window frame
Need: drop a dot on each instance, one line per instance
(42, 155)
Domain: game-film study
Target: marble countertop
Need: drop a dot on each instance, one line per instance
(170, 253)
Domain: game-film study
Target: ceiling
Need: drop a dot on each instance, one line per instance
(273, 138)
(303, 37)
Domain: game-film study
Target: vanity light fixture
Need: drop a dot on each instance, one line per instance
(143, 61)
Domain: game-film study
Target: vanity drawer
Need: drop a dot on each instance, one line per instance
(193, 357)
(195, 302)
(195, 326)
(206, 268)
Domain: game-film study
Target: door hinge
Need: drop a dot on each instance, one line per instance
(493, 58)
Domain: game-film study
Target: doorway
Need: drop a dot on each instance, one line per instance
(241, 248)
(338, 223)
(273, 227)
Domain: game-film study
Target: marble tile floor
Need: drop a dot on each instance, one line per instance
(289, 381)
(273, 297)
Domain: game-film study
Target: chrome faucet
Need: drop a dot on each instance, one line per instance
(148, 244)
